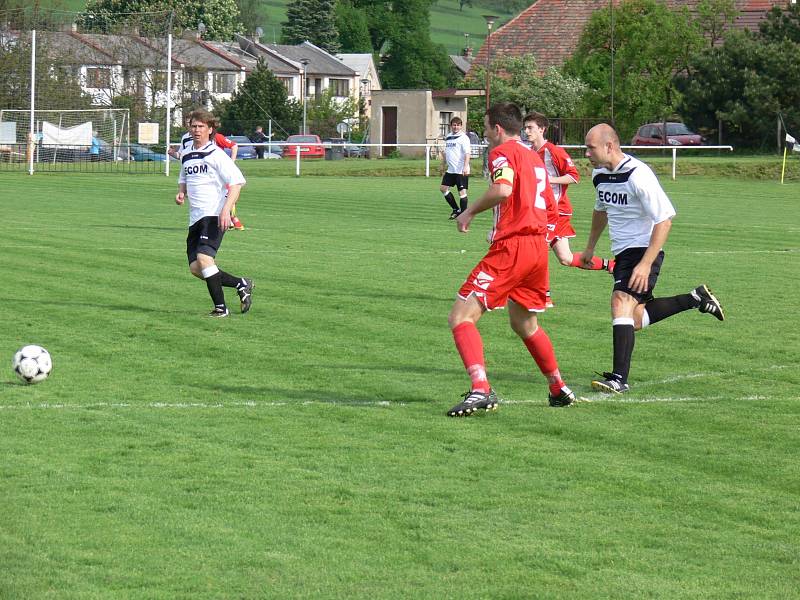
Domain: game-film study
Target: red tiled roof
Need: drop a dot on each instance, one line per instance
(551, 29)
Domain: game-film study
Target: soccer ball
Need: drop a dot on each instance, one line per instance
(32, 364)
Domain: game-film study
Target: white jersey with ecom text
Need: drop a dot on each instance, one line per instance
(456, 152)
(634, 202)
(207, 173)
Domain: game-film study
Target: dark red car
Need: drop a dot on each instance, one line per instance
(309, 145)
(678, 134)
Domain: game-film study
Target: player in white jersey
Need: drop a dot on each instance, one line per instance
(631, 202)
(212, 183)
(220, 140)
(457, 149)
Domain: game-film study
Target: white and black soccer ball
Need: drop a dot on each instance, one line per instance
(32, 363)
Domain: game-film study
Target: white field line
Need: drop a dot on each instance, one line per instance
(359, 252)
(616, 398)
(599, 398)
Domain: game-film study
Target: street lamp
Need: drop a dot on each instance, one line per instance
(304, 62)
(490, 19)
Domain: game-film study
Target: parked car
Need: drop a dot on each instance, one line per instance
(350, 150)
(141, 153)
(309, 145)
(678, 134)
(243, 152)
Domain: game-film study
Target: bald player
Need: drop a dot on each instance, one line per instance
(630, 201)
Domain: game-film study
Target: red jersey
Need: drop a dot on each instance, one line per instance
(558, 163)
(531, 207)
(223, 142)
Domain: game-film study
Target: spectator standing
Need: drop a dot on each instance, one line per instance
(258, 137)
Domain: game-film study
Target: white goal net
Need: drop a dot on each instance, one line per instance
(67, 135)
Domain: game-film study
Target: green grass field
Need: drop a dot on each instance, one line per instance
(301, 450)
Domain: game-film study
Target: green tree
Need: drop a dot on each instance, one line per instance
(651, 45)
(744, 83)
(220, 17)
(781, 25)
(516, 79)
(325, 111)
(413, 61)
(56, 85)
(312, 20)
(249, 15)
(353, 26)
(714, 17)
(260, 98)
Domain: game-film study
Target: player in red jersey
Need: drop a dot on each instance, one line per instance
(562, 172)
(514, 271)
(223, 142)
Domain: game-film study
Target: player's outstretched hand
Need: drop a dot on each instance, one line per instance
(179, 198)
(586, 259)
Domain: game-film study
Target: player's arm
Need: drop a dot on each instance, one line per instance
(641, 272)
(234, 189)
(181, 195)
(234, 150)
(567, 172)
(599, 222)
(497, 192)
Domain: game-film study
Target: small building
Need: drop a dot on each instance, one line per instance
(416, 117)
(367, 72)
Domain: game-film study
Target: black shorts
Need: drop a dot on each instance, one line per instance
(456, 180)
(204, 237)
(625, 263)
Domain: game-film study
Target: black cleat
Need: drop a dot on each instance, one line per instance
(708, 302)
(610, 384)
(219, 313)
(472, 402)
(246, 294)
(564, 398)
(454, 214)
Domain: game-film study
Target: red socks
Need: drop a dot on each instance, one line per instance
(541, 349)
(470, 347)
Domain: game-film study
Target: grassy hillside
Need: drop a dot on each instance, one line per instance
(448, 23)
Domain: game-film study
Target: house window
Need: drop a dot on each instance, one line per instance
(132, 82)
(194, 80)
(98, 77)
(160, 81)
(444, 123)
(288, 83)
(224, 83)
(340, 87)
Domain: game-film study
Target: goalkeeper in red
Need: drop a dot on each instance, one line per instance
(514, 272)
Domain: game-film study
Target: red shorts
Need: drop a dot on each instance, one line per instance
(514, 268)
(563, 229)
